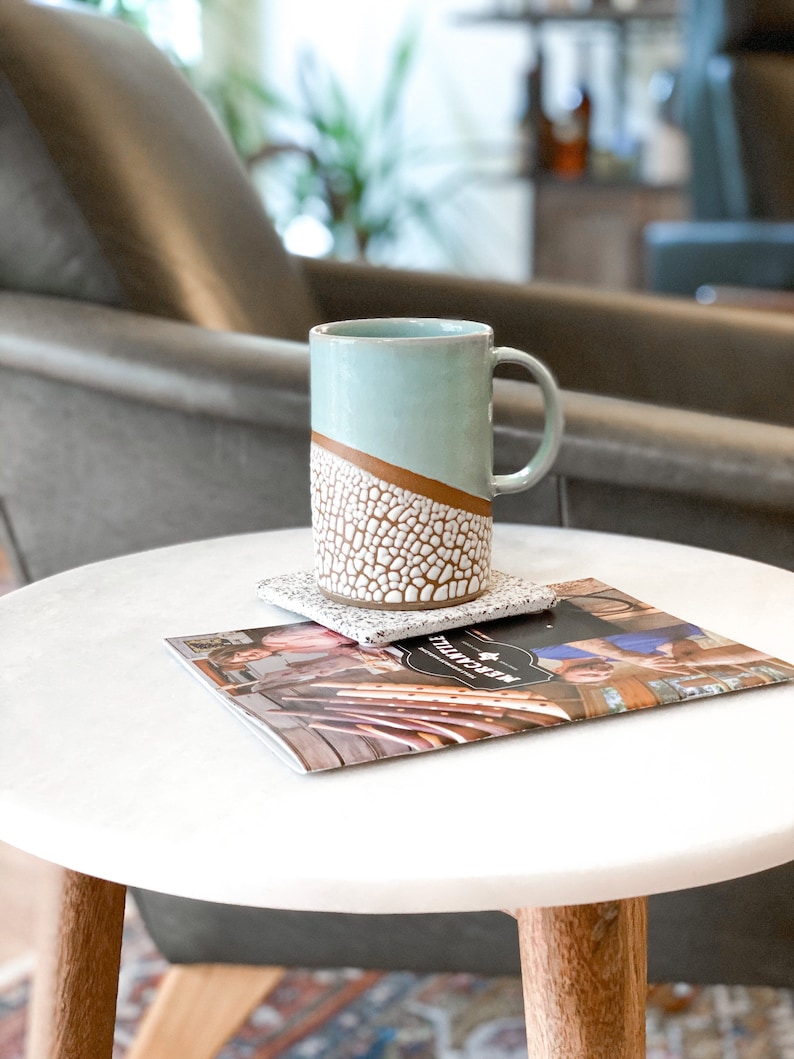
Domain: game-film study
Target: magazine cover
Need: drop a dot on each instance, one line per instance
(321, 700)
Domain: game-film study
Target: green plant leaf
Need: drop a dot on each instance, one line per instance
(399, 69)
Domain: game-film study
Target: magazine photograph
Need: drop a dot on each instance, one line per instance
(321, 700)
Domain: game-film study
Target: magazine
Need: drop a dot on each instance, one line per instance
(321, 700)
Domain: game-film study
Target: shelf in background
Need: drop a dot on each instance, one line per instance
(592, 233)
(587, 184)
(648, 11)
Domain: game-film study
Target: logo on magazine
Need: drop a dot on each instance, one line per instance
(474, 660)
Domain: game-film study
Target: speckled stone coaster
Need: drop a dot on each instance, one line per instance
(506, 596)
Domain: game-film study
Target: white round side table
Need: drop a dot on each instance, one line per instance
(115, 764)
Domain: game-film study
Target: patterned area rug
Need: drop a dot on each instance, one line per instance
(363, 1015)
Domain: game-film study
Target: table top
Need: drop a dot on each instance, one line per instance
(114, 761)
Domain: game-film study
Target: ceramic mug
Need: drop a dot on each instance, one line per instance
(402, 458)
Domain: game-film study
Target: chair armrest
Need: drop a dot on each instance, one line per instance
(644, 347)
(650, 471)
(122, 432)
(169, 363)
(213, 429)
(762, 298)
(265, 383)
(612, 441)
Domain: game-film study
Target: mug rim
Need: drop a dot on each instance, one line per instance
(465, 329)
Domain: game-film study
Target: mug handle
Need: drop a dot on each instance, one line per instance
(549, 446)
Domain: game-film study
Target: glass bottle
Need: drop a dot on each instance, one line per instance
(535, 137)
(571, 152)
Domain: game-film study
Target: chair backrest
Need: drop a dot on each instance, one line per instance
(738, 96)
(752, 100)
(118, 186)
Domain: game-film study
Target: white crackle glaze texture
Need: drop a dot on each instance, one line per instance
(378, 544)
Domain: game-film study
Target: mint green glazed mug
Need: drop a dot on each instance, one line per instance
(402, 473)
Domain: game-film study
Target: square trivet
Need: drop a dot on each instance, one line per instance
(505, 597)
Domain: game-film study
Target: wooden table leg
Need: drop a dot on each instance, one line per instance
(73, 1007)
(584, 970)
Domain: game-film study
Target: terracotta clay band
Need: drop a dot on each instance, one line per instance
(403, 479)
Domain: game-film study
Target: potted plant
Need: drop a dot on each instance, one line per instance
(348, 168)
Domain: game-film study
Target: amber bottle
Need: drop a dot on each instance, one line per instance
(571, 147)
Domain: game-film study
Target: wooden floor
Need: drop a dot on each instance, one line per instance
(21, 876)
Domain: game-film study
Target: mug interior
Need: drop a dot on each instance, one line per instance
(401, 327)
